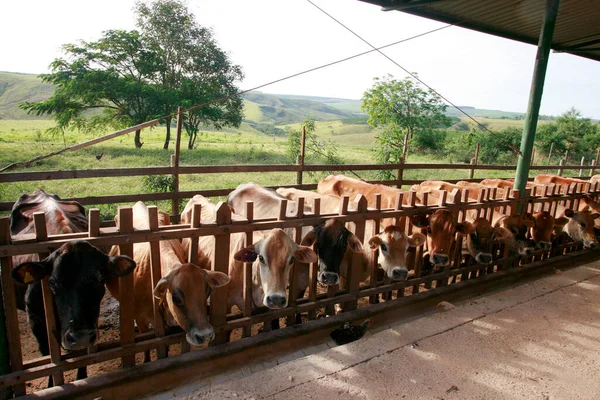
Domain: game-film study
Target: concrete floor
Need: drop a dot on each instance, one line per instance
(539, 340)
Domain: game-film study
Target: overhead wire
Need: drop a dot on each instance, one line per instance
(514, 149)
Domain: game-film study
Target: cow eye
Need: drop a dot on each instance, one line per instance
(177, 299)
(261, 259)
(583, 225)
(429, 229)
(383, 247)
(292, 259)
(514, 230)
(54, 285)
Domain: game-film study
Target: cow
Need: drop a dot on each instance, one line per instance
(331, 238)
(272, 257)
(330, 203)
(580, 226)
(183, 288)
(77, 272)
(547, 179)
(341, 185)
(506, 183)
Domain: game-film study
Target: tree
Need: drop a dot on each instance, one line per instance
(190, 58)
(112, 76)
(315, 149)
(401, 108)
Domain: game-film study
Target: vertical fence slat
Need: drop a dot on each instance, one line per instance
(126, 296)
(13, 336)
(455, 199)
(313, 268)
(41, 234)
(354, 269)
(300, 159)
(93, 231)
(218, 297)
(374, 253)
(293, 286)
(175, 163)
(156, 275)
(247, 286)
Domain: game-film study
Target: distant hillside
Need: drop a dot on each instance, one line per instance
(15, 88)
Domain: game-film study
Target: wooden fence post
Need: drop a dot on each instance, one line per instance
(550, 154)
(593, 169)
(175, 163)
(126, 297)
(400, 174)
(581, 169)
(300, 159)
(218, 297)
(247, 284)
(354, 269)
(560, 170)
(532, 156)
(10, 325)
(474, 161)
(156, 274)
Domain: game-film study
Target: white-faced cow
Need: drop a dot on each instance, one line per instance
(77, 273)
(184, 287)
(272, 256)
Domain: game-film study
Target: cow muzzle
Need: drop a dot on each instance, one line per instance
(440, 260)
(328, 278)
(79, 340)
(399, 274)
(544, 245)
(483, 258)
(276, 300)
(590, 244)
(197, 336)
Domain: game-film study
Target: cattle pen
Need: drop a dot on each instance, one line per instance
(360, 299)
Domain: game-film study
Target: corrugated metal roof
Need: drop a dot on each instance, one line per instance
(577, 28)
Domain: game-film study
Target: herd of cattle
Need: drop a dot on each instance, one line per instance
(79, 272)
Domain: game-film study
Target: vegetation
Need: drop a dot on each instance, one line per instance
(403, 110)
(128, 77)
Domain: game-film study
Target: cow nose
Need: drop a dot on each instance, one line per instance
(440, 259)
(591, 245)
(76, 340)
(200, 336)
(484, 258)
(546, 245)
(399, 274)
(329, 278)
(276, 301)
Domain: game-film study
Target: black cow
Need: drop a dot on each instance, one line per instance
(77, 272)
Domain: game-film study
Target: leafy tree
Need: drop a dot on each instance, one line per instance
(400, 108)
(193, 68)
(315, 150)
(111, 76)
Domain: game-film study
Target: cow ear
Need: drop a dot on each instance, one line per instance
(466, 228)
(161, 288)
(528, 220)
(305, 255)
(216, 279)
(247, 254)
(120, 265)
(355, 244)
(569, 213)
(416, 240)
(595, 215)
(420, 220)
(310, 238)
(31, 271)
(374, 242)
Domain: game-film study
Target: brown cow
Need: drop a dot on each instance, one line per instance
(341, 185)
(580, 227)
(506, 183)
(546, 179)
(77, 272)
(272, 257)
(184, 287)
(330, 203)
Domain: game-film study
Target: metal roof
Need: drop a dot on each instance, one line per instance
(577, 28)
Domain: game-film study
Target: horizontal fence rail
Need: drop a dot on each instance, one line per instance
(317, 300)
(176, 171)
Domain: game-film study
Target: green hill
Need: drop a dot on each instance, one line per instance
(15, 88)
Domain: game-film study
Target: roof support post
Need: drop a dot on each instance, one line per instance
(535, 94)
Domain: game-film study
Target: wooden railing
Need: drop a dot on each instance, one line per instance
(355, 295)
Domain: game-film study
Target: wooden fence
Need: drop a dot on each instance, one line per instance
(357, 294)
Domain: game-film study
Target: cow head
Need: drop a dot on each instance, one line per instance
(580, 227)
(77, 272)
(331, 240)
(480, 238)
(186, 289)
(393, 245)
(519, 225)
(544, 226)
(441, 228)
(273, 257)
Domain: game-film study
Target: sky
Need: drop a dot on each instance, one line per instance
(272, 39)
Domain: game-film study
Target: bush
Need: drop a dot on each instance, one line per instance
(158, 183)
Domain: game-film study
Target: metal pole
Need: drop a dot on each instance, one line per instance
(535, 94)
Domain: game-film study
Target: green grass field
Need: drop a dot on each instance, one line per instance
(21, 140)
